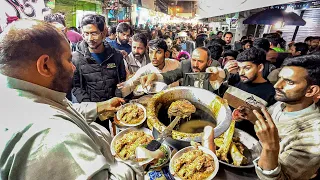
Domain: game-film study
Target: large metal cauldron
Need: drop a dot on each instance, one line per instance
(206, 102)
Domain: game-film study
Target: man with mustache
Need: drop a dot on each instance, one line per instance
(289, 131)
(190, 70)
(138, 57)
(158, 64)
(124, 32)
(99, 67)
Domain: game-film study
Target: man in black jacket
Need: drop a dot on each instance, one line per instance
(99, 67)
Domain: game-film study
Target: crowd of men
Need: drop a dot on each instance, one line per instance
(45, 135)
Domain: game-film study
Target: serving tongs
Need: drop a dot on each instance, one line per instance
(156, 144)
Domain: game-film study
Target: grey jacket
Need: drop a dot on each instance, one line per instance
(187, 80)
(133, 64)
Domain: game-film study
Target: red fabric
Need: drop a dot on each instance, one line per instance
(11, 19)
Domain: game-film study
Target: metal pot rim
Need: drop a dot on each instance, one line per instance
(153, 121)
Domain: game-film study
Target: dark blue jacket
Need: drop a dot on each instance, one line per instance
(125, 47)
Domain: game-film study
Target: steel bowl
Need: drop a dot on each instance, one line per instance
(132, 125)
(252, 150)
(186, 149)
(120, 135)
(204, 100)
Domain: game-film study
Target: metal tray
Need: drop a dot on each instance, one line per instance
(252, 148)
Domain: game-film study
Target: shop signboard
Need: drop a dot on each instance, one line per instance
(21, 9)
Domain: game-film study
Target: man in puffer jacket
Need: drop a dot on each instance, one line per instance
(99, 67)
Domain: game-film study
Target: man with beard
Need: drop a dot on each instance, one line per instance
(190, 70)
(219, 34)
(314, 44)
(138, 57)
(159, 64)
(252, 87)
(99, 67)
(124, 32)
(44, 135)
(289, 131)
(228, 38)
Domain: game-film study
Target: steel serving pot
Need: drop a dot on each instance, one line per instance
(203, 99)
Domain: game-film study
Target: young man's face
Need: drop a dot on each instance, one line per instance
(293, 51)
(138, 49)
(314, 44)
(124, 37)
(248, 71)
(219, 36)
(228, 38)
(157, 56)
(228, 58)
(247, 46)
(292, 85)
(92, 35)
(199, 60)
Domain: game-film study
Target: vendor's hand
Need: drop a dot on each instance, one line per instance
(216, 74)
(232, 66)
(124, 53)
(112, 105)
(207, 140)
(148, 79)
(266, 131)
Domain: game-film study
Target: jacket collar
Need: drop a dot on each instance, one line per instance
(84, 50)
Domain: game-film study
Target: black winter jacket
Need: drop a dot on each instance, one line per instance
(93, 82)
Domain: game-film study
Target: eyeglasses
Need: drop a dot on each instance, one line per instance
(93, 34)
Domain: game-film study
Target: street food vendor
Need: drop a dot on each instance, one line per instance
(200, 62)
(43, 135)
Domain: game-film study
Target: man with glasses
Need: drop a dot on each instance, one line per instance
(99, 67)
(124, 33)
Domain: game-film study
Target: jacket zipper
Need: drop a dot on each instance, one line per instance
(106, 59)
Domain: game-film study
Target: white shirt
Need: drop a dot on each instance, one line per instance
(44, 136)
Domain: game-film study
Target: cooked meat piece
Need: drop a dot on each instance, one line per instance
(181, 108)
(131, 114)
